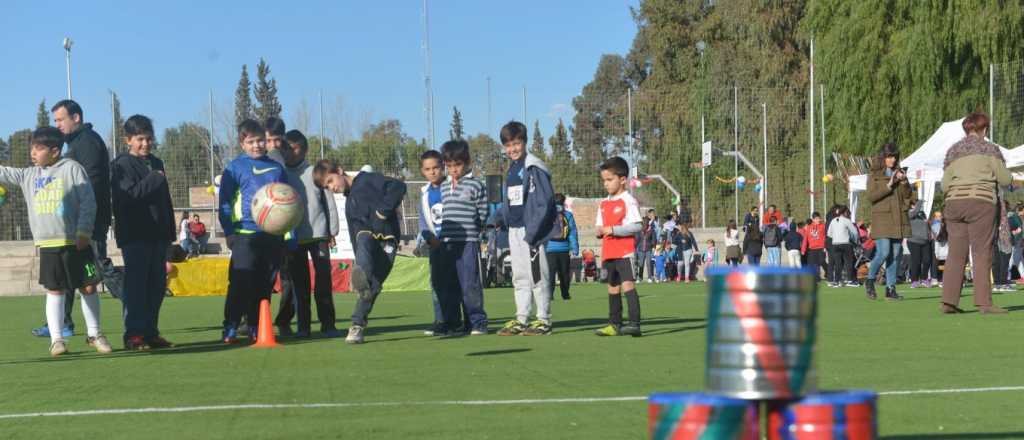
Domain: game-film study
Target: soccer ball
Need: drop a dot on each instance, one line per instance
(276, 208)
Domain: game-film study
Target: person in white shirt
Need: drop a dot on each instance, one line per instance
(844, 235)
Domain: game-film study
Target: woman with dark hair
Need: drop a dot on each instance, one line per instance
(732, 244)
(973, 173)
(891, 198)
(752, 243)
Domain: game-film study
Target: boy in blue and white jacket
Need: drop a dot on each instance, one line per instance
(564, 240)
(430, 209)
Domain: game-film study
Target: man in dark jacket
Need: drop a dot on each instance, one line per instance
(144, 230)
(86, 147)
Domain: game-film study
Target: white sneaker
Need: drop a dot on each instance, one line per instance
(58, 348)
(355, 335)
(100, 343)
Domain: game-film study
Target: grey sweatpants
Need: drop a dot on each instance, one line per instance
(528, 289)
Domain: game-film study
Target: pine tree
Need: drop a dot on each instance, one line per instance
(42, 115)
(456, 132)
(117, 144)
(266, 93)
(243, 101)
(537, 147)
(560, 163)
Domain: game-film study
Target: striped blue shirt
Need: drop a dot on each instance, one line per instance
(465, 209)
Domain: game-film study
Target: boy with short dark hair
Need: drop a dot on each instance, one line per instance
(528, 209)
(372, 201)
(464, 213)
(61, 211)
(274, 130)
(255, 255)
(618, 219)
(314, 235)
(144, 229)
(430, 207)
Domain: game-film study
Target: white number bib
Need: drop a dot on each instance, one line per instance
(515, 195)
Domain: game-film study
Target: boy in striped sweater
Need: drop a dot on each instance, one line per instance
(464, 198)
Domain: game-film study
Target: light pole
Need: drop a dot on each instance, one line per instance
(701, 45)
(67, 58)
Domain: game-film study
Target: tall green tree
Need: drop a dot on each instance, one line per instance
(186, 159)
(537, 147)
(266, 93)
(117, 144)
(456, 131)
(385, 147)
(488, 155)
(912, 66)
(14, 215)
(564, 175)
(600, 121)
(42, 115)
(753, 54)
(243, 99)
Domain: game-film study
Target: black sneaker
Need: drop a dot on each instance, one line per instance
(437, 329)
(869, 288)
(891, 295)
(158, 342)
(631, 329)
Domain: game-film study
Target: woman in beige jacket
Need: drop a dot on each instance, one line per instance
(973, 173)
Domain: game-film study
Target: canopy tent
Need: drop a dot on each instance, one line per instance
(924, 165)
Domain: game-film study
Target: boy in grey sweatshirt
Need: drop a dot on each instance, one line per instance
(315, 235)
(61, 212)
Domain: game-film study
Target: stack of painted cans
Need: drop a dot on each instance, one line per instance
(761, 338)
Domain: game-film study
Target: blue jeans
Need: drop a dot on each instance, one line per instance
(374, 260)
(754, 260)
(774, 257)
(889, 251)
(458, 274)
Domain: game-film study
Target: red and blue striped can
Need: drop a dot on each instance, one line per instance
(840, 415)
(761, 332)
(697, 416)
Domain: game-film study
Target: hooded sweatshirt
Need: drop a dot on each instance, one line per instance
(536, 196)
(60, 200)
(321, 219)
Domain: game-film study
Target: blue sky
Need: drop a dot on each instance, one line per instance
(164, 58)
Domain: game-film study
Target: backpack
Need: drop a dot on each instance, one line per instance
(771, 236)
(562, 234)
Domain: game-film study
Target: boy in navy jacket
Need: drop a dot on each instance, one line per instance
(529, 213)
(371, 208)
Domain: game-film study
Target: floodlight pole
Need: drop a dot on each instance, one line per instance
(67, 52)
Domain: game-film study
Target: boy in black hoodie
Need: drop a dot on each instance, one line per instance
(144, 229)
(371, 208)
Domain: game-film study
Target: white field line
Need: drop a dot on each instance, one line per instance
(207, 408)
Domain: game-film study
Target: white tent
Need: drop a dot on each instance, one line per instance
(925, 165)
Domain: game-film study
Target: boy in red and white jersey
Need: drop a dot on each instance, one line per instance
(617, 224)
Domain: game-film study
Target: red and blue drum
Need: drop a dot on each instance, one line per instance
(841, 415)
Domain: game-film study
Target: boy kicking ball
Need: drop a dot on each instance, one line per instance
(372, 201)
(61, 212)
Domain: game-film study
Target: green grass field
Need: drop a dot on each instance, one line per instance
(395, 381)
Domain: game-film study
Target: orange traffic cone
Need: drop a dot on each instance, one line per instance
(265, 336)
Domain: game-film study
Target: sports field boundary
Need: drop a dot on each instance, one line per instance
(253, 406)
